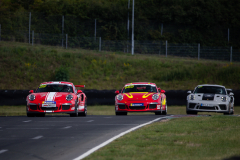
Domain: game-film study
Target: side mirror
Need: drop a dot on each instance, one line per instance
(231, 94)
(117, 92)
(189, 92)
(79, 91)
(31, 91)
(162, 91)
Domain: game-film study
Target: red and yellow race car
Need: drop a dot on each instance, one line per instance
(56, 97)
(140, 97)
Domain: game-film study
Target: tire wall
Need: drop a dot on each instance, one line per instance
(99, 97)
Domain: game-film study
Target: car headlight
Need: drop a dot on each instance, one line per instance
(120, 97)
(31, 97)
(224, 99)
(192, 97)
(69, 97)
(155, 96)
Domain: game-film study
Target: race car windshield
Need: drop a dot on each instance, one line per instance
(139, 88)
(54, 88)
(210, 89)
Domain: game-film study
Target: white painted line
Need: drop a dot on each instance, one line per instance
(67, 127)
(113, 138)
(38, 137)
(3, 150)
(27, 121)
(90, 121)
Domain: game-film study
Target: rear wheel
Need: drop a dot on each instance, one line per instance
(84, 114)
(40, 115)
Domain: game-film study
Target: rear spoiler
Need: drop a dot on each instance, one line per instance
(82, 86)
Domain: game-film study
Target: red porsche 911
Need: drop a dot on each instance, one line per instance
(57, 97)
(140, 97)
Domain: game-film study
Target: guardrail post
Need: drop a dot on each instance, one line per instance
(0, 32)
(198, 51)
(166, 48)
(95, 31)
(100, 44)
(29, 36)
(32, 37)
(66, 40)
(230, 54)
(62, 29)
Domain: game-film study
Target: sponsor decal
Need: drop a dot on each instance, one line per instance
(136, 104)
(130, 86)
(81, 107)
(48, 104)
(42, 86)
(72, 108)
(158, 106)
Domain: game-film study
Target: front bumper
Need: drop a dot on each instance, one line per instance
(145, 107)
(60, 108)
(208, 107)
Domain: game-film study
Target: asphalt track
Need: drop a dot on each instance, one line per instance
(61, 137)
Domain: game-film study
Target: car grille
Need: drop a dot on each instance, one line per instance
(152, 106)
(121, 106)
(65, 107)
(49, 108)
(33, 107)
(137, 107)
(223, 107)
(207, 108)
(192, 105)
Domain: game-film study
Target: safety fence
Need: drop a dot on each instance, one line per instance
(162, 48)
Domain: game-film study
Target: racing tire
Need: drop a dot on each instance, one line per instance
(30, 115)
(165, 112)
(84, 114)
(76, 111)
(120, 113)
(40, 115)
(158, 113)
(192, 112)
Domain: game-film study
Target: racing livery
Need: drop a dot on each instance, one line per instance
(140, 97)
(210, 98)
(56, 97)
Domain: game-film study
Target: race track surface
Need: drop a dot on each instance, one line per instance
(60, 137)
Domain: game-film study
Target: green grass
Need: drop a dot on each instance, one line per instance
(23, 66)
(215, 137)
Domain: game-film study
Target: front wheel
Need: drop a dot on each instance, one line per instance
(76, 111)
(30, 115)
(84, 114)
(120, 113)
(192, 112)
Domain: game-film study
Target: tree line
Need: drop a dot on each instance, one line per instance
(179, 21)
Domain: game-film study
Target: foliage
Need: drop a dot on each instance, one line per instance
(62, 74)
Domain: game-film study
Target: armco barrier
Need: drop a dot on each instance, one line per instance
(99, 97)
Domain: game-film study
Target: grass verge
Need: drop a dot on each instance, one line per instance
(193, 138)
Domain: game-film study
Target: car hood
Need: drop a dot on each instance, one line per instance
(51, 96)
(136, 96)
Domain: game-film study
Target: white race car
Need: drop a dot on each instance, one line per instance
(210, 98)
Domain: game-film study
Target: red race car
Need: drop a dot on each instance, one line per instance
(140, 97)
(57, 97)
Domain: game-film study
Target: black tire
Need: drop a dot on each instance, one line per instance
(76, 111)
(40, 115)
(192, 112)
(120, 113)
(158, 113)
(84, 114)
(165, 112)
(30, 115)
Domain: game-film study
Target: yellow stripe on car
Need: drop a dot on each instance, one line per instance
(146, 95)
(129, 96)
